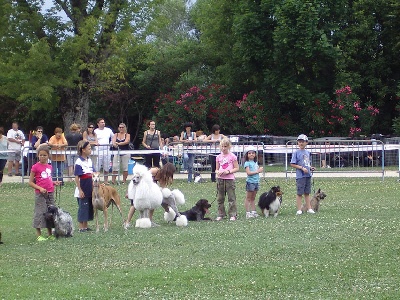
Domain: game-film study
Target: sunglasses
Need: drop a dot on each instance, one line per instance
(39, 131)
(91, 126)
(121, 127)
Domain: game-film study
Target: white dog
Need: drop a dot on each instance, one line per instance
(170, 201)
(146, 194)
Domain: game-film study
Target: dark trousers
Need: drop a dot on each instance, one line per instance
(2, 166)
(152, 159)
(213, 161)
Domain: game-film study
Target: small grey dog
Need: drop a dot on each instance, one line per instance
(315, 200)
(63, 224)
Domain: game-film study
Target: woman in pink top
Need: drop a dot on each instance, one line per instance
(226, 166)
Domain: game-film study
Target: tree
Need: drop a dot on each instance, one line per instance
(63, 62)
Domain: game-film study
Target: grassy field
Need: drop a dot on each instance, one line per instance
(349, 250)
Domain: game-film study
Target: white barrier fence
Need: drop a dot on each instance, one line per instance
(328, 155)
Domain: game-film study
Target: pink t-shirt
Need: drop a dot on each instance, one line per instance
(226, 163)
(43, 177)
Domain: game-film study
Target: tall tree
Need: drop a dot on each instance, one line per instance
(68, 54)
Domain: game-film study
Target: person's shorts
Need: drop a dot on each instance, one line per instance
(14, 156)
(251, 187)
(122, 160)
(71, 158)
(103, 161)
(303, 185)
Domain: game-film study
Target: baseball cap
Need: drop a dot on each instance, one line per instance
(250, 148)
(302, 137)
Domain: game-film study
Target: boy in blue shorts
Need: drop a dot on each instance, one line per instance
(301, 161)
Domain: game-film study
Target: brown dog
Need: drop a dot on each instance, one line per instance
(102, 197)
(315, 201)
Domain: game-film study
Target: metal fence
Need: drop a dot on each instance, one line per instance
(346, 155)
(333, 155)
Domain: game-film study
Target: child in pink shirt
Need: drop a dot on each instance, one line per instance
(40, 179)
(226, 166)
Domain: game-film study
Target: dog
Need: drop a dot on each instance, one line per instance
(315, 201)
(170, 201)
(102, 197)
(62, 221)
(271, 201)
(146, 194)
(198, 178)
(198, 212)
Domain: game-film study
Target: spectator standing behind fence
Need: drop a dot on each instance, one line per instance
(121, 141)
(214, 137)
(90, 136)
(3, 153)
(104, 138)
(227, 165)
(73, 137)
(252, 181)
(301, 161)
(152, 141)
(38, 139)
(188, 137)
(16, 140)
(84, 185)
(58, 144)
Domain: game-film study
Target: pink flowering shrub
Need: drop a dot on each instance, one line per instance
(344, 115)
(202, 106)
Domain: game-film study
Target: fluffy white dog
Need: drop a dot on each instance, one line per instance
(170, 201)
(146, 194)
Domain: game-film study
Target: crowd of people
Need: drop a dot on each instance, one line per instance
(224, 164)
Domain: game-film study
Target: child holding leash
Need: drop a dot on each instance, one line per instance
(226, 166)
(252, 181)
(84, 185)
(302, 163)
(40, 179)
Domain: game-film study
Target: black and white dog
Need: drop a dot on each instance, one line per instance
(198, 212)
(60, 220)
(271, 201)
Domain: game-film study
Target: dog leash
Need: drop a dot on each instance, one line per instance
(216, 194)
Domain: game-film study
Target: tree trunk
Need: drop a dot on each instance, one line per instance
(74, 106)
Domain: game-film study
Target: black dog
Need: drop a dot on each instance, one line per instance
(271, 201)
(197, 212)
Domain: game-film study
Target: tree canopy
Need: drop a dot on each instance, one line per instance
(254, 67)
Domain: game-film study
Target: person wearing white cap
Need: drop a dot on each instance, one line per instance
(302, 163)
(252, 181)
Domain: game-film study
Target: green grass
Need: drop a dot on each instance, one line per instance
(349, 250)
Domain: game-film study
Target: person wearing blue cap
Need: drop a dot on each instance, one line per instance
(301, 161)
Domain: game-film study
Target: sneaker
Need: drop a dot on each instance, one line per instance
(18, 174)
(255, 214)
(51, 238)
(127, 225)
(233, 218)
(41, 238)
(299, 212)
(219, 218)
(311, 211)
(249, 215)
(89, 229)
(83, 230)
